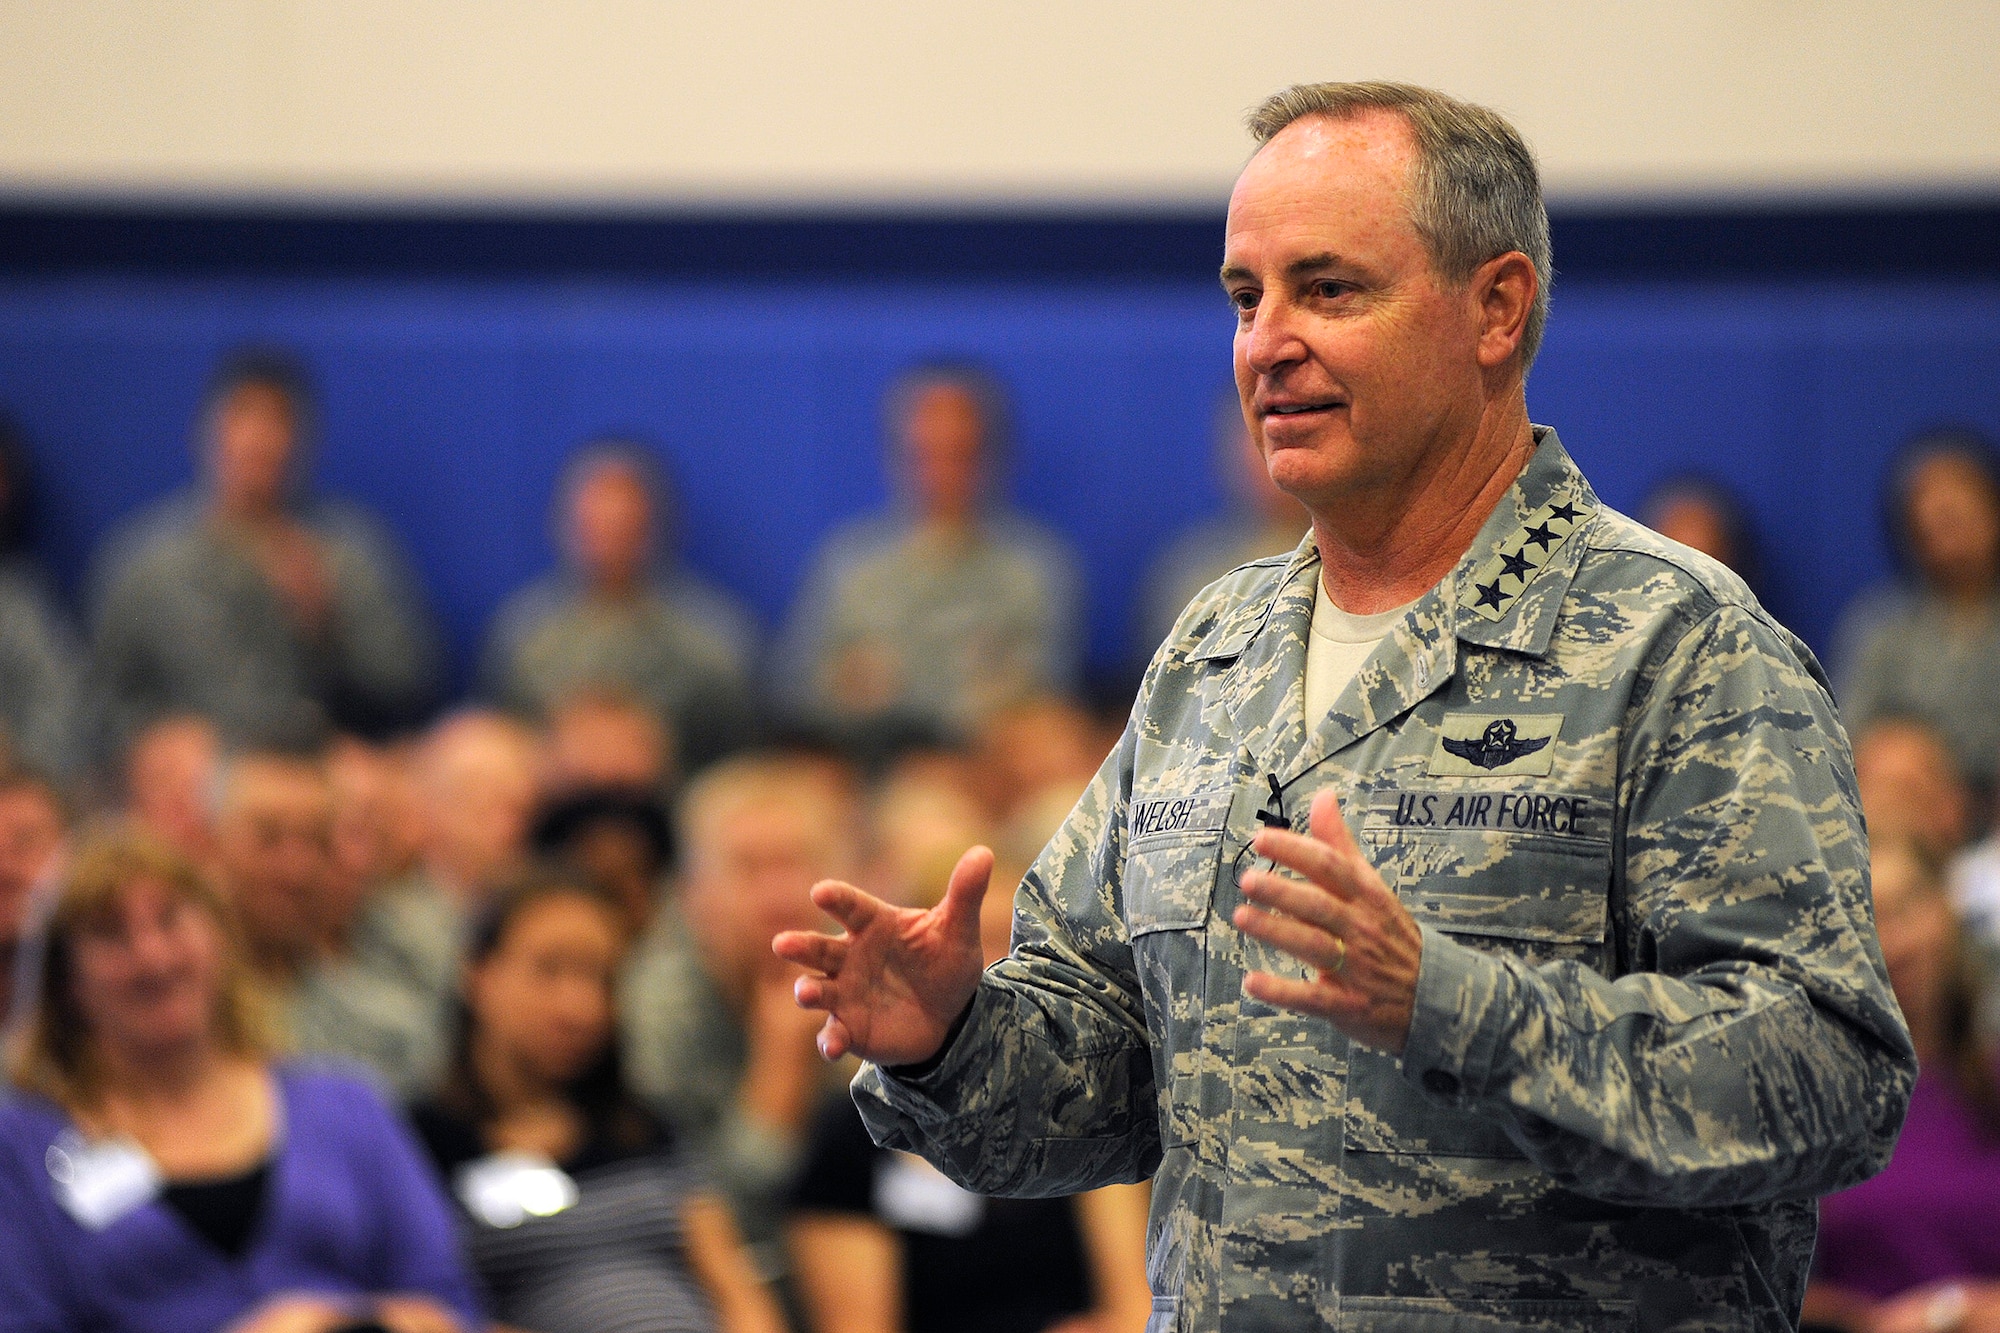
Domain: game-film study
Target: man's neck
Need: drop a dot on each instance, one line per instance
(1385, 548)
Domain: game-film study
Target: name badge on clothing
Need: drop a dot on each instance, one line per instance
(507, 1188)
(98, 1183)
(913, 1195)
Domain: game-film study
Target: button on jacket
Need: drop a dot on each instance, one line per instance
(1652, 1022)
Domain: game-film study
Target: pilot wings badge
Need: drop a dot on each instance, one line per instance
(1474, 746)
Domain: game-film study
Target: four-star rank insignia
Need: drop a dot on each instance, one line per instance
(1500, 582)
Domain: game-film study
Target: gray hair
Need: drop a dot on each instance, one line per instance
(1475, 193)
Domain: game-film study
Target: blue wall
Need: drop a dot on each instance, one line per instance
(449, 405)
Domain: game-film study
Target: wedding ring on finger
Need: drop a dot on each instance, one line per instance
(1339, 956)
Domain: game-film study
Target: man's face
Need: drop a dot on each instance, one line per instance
(943, 442)
(1356, 366)
(31, 830)
(749, 866)
(253, 435)
(275, 840)
(609, 527)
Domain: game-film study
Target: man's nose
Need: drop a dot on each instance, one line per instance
(1271, 339)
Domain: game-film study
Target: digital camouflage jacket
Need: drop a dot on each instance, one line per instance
(1652, 1020)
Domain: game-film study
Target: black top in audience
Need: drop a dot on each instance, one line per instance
(1019, 1265)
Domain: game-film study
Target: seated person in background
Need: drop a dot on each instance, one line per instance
(1928, 644)
(274, 835)
(1910, 784)
(600, 737)
(277, 618)
(41, 662)
(160, 1174)
(923, 812)
(169, 783)
(376, 834)
(619, 613)
(1261, 521)
(1700, 512)
(33, 822)
(475, 790)
(533, 1105)
(714, 1043)
(1916, 1247)
(621, 839)
(1033, 745)
(953, 607)
(882, 1242)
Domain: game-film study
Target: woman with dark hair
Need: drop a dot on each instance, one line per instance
(160, 1173)
(580, 1216)
(1928, 645)
(1916, 1248)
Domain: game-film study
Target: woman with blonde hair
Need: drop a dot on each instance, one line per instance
(160, 1170)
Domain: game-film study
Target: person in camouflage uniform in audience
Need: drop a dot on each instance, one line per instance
(1529, 982)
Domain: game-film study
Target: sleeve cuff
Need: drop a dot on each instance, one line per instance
(923, 1094)
(1457, 1022)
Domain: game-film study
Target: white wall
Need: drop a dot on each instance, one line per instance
(901, 100)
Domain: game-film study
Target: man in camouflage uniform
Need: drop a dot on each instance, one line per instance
(1570, 1004)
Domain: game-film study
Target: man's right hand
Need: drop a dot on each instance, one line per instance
(897, 978)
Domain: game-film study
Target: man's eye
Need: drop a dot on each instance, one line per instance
(1244, 301)
(1327, 289)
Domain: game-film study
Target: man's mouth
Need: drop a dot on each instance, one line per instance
(1300, 409)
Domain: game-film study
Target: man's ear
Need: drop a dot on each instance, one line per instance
(1503, 290)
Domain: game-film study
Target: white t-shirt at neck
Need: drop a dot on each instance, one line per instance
(1336, 648)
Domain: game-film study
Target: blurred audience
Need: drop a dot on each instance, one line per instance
(1915, 1247)
(474, 779)
(274, 827)
(1261, 521)
(1700, 511)
(883, 1242)
(1910, 783)
(949, 608)
(169, 782)
(33, 823)
(275, 616)
(160, 1173)
(923, 812)
(40, 660)
(603, 737)
(1038, 743)
(621, 613)
(621, 839)
(713, 1040)
(1928, 644)
(581, 1215)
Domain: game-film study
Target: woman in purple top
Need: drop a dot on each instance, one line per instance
(159, 1173)
(1917, 1248)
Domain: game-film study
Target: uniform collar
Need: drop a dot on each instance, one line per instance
(1505, 592)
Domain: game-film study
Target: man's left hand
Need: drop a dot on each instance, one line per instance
(1343, 922)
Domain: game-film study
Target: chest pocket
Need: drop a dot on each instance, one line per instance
(1172, 852)
(1537, 893)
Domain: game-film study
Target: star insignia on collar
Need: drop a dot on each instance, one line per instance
(1547, 528)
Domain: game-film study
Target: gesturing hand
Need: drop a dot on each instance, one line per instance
(1344, 923)
(897, 979)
